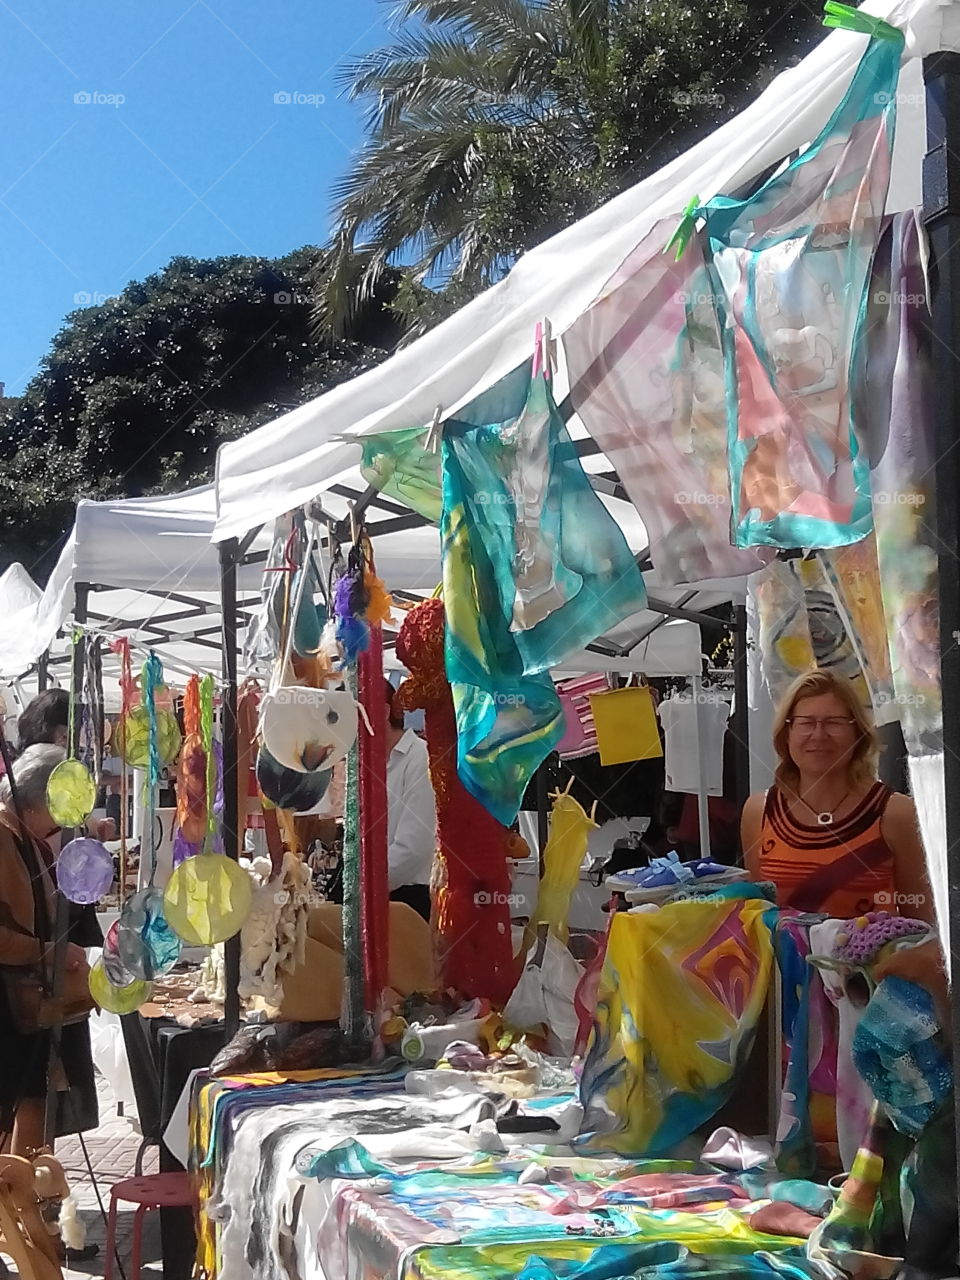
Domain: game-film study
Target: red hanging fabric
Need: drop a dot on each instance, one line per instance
(472, 877)
(374, 880)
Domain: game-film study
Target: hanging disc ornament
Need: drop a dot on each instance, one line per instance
(71, 794)
(308, 730)
(135, 737)
(84, 870)
(207, 899)
(287, 788)
(116, 970)
(117, 999)
(147, 945)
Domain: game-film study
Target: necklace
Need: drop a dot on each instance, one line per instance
(825, 819)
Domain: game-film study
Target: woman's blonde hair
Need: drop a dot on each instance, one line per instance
(862, 765)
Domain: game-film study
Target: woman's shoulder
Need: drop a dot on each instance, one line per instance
(898, 809)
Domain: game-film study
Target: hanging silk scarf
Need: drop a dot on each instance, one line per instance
(645, 365)
(799, 627)
(852, 575)
(894, 391)
(789, 266)
(398, 464)
(893, 395)
(690, 979)
(534, 568)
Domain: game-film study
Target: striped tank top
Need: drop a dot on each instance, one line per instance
(843, 870)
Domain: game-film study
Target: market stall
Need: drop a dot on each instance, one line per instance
(640, 436)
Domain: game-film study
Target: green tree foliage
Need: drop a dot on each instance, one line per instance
(493, 124)
(136, 394)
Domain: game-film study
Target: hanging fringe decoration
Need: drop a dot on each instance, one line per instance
(206, 736)
(191, 776)
(352, 1021)
(375, 921)
(92, 734)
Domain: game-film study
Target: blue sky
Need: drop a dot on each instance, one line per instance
(140, 129)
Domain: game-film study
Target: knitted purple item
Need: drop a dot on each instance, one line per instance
(865, 936)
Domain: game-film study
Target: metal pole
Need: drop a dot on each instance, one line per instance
(703, 807)
(740, 720)
(941, 216)
(43, 673)
(62, 907)
(231, 816)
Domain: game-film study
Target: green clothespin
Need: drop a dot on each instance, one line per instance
(846, 18)
(685, 228)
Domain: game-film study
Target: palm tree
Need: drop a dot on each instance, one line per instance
(493, 123)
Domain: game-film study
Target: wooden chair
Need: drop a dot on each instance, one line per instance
(24, 1237)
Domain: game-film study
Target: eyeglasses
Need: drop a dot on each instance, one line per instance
(833, 725)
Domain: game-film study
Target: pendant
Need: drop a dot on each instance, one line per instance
(825, 819)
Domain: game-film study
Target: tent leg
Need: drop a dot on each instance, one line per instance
(703, 809)
(231, 822)
(941, 216)
(43, 671)
(740, 721)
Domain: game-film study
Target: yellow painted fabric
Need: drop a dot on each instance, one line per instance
(691, 979)
(563, 856)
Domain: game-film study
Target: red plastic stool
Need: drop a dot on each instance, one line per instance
(154, 1191)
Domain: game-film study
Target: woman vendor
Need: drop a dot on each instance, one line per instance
(827, 834)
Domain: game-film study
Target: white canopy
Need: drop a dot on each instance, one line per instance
(287, 462)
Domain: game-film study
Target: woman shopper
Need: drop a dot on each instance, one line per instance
(27, 899)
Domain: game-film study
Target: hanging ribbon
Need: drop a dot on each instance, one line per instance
(151, 679)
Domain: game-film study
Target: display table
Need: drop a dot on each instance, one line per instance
(162, 1056)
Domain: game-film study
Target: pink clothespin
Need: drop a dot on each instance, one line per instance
(544, 360)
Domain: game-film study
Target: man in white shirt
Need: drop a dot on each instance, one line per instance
(411, 813)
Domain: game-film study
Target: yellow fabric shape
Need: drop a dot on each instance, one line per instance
(681, 992)
(626, 725)
(563, 856)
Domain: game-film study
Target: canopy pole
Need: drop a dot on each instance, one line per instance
(941, 217)
(703, 808)
(231, 817)
(62, 908)
(740, 720)
(43, 671)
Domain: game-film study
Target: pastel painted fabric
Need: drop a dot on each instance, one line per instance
(789, 266)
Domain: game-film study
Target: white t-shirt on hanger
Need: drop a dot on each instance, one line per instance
(678, 716)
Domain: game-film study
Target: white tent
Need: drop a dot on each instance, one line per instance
(287, 462)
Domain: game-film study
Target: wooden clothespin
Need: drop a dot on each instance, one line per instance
(432, 444)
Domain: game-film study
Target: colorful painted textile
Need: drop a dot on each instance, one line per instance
(898, 1049)
(789, 267)
(700, 966)
(400, 466)
(853, 577)
(893, 406)
(799, 627)
(713, 1236)
(580, 734)
(646, 378)
(534, 568)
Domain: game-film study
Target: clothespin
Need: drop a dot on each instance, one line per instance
(685, 228)
(847, 18)
(544, 350)
(432, 444)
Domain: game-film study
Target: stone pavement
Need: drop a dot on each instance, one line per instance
(112, 1150)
